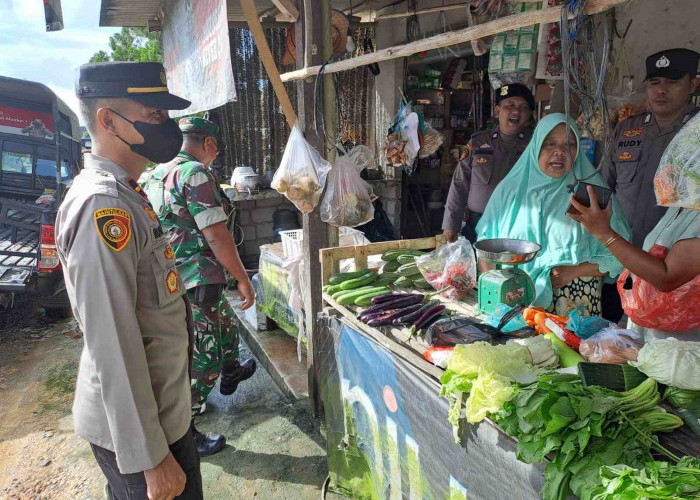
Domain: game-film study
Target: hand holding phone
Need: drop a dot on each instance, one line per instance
(581, 194)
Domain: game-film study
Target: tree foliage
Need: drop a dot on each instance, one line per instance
(133, 44)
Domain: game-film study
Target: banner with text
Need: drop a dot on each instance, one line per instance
(197, 55)
(26, 122)
(388, 437)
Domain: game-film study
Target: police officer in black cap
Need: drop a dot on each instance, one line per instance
(132, 396)
(489, 157)
(639, 142)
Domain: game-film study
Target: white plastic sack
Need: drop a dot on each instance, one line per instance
(302, 173)
(362, 157)
(677, 180)
(347, 201)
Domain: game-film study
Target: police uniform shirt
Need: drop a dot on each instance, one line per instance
(491, 155)
(133, 390)
(638, 145)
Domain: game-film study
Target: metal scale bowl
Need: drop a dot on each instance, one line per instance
(505, 285)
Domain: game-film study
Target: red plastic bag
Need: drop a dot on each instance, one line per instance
(649, 307)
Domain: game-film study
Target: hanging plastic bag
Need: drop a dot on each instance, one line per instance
(452, 265)
(677, 180)
(362, 157)
(612, 345)
(649, 307)
(302, 173)
(347, 201)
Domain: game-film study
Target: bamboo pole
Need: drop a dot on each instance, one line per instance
(398, 15)
(549, 15)
(251, 14)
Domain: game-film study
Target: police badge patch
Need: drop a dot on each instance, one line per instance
(171, 282)
(114, 227)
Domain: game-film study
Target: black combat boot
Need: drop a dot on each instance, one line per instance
(234, 374)
(207, 444)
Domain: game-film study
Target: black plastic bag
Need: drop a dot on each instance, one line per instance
(380, 228)
(462, 330)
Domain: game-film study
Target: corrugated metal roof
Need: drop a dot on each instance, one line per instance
(138, 12)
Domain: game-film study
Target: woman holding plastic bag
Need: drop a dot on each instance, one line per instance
(664, 299)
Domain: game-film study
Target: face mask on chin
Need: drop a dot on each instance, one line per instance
(161, 142)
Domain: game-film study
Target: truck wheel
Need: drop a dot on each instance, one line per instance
(58, 312)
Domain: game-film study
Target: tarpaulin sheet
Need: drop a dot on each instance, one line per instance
(388, 436)
(197, 55)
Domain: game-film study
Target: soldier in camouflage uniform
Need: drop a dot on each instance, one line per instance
(188, 201)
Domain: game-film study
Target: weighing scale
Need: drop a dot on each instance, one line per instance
(505, 285)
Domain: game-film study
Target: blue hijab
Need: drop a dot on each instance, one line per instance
(529, 205)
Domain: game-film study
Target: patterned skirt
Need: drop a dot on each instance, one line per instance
(584, 291)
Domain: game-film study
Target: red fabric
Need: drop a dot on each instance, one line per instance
(651, 308)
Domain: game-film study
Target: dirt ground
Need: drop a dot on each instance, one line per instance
(274, 451)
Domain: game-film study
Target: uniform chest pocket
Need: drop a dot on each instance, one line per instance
(626, 171)
(481, 170)
(167, 280)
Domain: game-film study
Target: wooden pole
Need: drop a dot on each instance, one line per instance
(399, 15)
(549, 15)
(251, 15)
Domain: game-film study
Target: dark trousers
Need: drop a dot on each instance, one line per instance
(469, 229)
(611, 302)
(133, 486)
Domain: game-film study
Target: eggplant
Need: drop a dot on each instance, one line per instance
(428, 315)
(388, 318)
(389, 296)
(410, 318)
(394, 304)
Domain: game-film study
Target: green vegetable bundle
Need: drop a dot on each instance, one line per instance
(585, 427)
(657, 480)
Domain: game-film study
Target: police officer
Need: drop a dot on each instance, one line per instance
(189, 203)
(639, 142)
(132, 400)
(489, 157)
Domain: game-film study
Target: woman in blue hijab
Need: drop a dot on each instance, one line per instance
(531, 204)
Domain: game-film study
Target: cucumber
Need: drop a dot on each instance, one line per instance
(422, 283)
(394, 254)
(408, 270)
(333, 289)
(349, 298)
(340, 293)
(406, 259)
(391, 267)
(391, 276)
(338, 278)
(366, 300)
(404, 282)
(385, 280)
(363, 280)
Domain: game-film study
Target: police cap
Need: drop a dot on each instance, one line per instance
(515, 90)
(144, 82)
(673, 64)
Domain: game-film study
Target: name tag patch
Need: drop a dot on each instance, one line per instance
(114, 227)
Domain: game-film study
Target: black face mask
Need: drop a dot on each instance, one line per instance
(161, 142)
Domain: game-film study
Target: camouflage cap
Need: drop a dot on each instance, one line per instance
(196, 125)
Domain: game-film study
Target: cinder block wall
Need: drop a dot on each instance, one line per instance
(256, 221)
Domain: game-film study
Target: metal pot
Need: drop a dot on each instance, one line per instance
(246, 180)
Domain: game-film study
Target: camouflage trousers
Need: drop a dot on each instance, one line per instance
(215, 345)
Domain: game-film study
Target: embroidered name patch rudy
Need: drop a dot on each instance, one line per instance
(114, 227)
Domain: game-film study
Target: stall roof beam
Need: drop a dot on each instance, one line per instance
(549, 15)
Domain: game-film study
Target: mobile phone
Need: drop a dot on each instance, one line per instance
(581, 194)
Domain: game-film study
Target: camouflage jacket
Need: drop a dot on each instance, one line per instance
(192, 203)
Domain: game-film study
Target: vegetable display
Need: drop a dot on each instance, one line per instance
(585, 428)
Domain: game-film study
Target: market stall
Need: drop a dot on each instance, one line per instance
(390, 433)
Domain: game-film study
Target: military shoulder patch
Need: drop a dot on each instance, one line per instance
(114, 227)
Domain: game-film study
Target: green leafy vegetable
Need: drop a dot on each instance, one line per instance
(657, 480)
